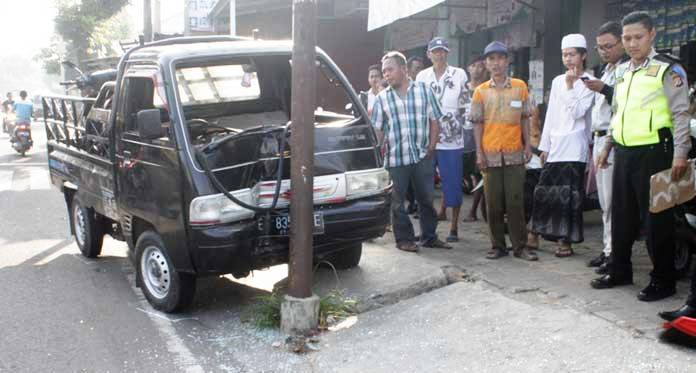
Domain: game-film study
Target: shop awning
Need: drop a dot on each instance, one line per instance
(384, 12)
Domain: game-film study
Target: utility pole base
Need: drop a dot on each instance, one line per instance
(299, 315)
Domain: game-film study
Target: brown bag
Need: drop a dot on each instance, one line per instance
(665, 194)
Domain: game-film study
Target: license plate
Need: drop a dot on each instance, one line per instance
(279, 225)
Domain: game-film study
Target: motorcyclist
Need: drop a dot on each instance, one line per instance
(23, 109)
(7, 106)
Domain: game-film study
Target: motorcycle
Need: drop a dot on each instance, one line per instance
(21, 138)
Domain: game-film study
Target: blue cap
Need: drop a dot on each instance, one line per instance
(495, 47)
(438, 43)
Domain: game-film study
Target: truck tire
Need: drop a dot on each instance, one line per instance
(88, 232)
(346, 258)
(166, 289)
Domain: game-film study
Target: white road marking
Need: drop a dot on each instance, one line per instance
(6, 180)
(40, 178)
(25, 178)
(175, 345)
(33, 164)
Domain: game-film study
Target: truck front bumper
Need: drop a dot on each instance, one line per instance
(242, 246)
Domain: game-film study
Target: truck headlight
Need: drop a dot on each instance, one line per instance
(365, 183)
(216, 209)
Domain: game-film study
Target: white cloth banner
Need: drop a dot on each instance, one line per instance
(384, 12)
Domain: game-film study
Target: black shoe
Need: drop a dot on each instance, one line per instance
(654, 292)
(684, 311)
(603, 269)
(609, 281)
(597, 261)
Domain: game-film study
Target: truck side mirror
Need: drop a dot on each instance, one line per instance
(149, 124)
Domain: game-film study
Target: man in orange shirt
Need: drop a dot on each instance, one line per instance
(500, 112)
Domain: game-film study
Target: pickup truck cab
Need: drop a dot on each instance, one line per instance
(186, 157)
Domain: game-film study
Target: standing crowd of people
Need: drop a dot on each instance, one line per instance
(482, 127)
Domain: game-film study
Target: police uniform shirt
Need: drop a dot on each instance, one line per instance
(676, 89)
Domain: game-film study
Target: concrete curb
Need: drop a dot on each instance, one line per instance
(442, 277)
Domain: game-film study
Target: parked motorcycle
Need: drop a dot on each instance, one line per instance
(685, 214)
(21, 138)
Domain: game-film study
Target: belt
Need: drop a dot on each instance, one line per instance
(600, 133)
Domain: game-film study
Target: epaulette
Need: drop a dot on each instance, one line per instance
(669, 58)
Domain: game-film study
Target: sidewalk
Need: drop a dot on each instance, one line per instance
(453, 310)
(562, 281)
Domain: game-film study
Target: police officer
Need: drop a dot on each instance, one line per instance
(650, 133)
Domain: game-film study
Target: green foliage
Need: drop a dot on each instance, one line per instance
(88, 28)
(336, 305)
(265, 313)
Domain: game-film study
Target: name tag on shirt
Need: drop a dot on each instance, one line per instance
(516, 104)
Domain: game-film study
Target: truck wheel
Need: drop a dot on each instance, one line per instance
(166, 289)
(88, 232)
(348, 257)
(682, 258)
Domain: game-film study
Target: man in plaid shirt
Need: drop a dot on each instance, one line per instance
(406, 116)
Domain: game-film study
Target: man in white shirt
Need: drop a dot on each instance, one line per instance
(448, 84)
(612, 53)
(374, 78)
(559, 195)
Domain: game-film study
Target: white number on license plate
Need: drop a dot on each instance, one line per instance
(280, 225)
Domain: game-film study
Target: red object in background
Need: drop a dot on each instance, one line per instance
(685, 325)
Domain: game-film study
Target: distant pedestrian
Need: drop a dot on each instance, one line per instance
(565, 146)
(611, 52)
(374, 78)
(472, 175)
(650, 133)
(406, 115)
(8, 104)
(448, 83)
(500, 112)
(415, 65)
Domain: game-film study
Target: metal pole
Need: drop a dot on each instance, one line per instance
(147, 20)
(304, 32)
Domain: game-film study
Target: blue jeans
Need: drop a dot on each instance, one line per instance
(421, 175)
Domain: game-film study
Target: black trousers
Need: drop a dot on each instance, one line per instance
(633, 167)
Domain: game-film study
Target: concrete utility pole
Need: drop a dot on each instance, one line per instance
(147, 20)
(300, 309)
(233, 17)
(156, 16)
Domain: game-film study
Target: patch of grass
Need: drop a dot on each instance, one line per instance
(265, 313)
(336, 305)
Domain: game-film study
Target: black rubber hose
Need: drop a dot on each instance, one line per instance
(221, 188)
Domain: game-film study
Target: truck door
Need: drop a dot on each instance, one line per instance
(148, 170)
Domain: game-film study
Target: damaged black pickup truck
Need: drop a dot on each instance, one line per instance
(186, 157)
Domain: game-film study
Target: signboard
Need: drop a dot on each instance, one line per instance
(384, 12)
(536, 81)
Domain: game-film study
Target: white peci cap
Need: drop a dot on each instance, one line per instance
(573, 41)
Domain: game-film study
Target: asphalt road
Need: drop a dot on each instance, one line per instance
(62, 312)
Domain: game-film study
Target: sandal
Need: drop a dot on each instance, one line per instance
(562, 252)
(407, 246)
(495, 253)
(453, 237)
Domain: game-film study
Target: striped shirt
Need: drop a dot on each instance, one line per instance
(405, 123)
